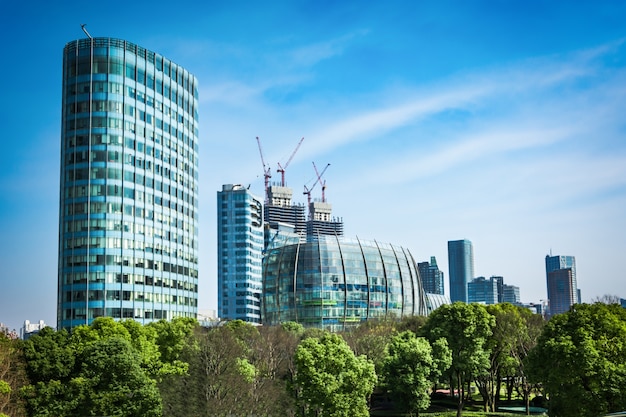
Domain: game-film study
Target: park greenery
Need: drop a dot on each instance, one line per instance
(460, 358)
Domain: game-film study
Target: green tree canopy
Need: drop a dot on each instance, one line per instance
(580, 359)
(330, 380)
(411, 369)
(466, 327)
(74, 373)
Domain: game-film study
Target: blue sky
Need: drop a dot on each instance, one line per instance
(497, 121)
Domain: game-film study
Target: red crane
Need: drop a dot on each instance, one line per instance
(307, 191)
(267, 171)
(319, 179)
(282, 169)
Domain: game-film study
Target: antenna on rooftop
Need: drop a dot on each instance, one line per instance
(82, 26)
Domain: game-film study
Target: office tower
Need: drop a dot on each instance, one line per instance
(481, 290)
(432, 277)
(460, 268)
(500, 285)
(128, 217)
(561, 283)
(510, 294)
(239, 254)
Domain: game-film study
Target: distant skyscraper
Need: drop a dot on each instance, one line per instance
(128, 215)
(500, 285)
(432, 277)
(481, 290)
(460, 268)
(510, 294)
(561, 282)
(240, 254)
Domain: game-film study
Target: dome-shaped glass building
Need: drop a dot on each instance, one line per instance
(332, 283)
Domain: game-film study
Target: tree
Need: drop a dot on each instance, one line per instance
(580, 359)
(65, 380)
(332, 381)
(370, 338)
(113, 382)
(466, 327)
(12, 377)
(412, 367)
(508, 329)
(533, 325)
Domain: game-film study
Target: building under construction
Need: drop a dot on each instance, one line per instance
(286, 221)
(321, 222)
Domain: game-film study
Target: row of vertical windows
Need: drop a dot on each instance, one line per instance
(83, 225)
(116, 242)
(121, 295)
(165, 281)
(103, 207)
(186, 106)
(104, 63)
(116, 190)
(137, 313)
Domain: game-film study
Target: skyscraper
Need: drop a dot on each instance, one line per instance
(561, 282)
(240, 254)
(128, 217)
(460, 268)
(510, 294)
(481, 290)
(432, 277)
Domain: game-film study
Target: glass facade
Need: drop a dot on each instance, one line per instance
(432, 277)
(460, 268)
(128, 219)
(333, 283)
(240, 244)
(481, 290)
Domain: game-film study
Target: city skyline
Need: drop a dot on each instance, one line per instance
(496, 122)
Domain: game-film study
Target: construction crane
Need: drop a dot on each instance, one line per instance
(307, 191)
(267, 171)
(282, 169)
(319, 179)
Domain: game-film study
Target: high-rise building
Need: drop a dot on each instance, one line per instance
(460, 268)
(500, 285)
(510, 294)
(280, 209)
(481, 290)
(561, 282)
(432, 277)
(128, 217)
(240, 254)
(321, 222)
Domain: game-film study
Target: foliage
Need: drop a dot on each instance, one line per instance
(580, 359)
(410, 369)
(466, 327)
(101, 369)
(331, 380)
(112, 382)
(234, 369)
(508, 330)
(12, 377)
(370, 338)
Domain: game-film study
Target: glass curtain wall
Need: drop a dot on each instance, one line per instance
(128, 215)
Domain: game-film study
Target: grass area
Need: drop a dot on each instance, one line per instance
(444, 414)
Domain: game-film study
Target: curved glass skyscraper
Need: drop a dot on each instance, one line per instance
(128, 233)
(333, 283)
